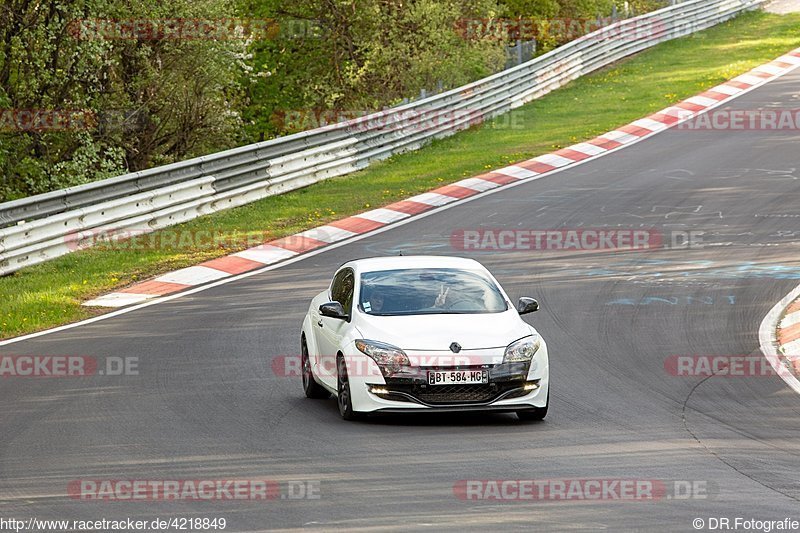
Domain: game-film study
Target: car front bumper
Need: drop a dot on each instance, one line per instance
(511, 387)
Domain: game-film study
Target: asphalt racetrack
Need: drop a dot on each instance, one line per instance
(207, 402)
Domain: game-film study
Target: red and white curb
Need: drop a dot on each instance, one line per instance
(779, 336)
(340, 230)
(788, 335)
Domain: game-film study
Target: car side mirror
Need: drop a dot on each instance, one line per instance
(333, 310)
(527, 305)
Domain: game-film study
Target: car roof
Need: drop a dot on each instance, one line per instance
(399, 262)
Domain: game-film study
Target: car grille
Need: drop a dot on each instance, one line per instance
(450, 394)
(457, 393)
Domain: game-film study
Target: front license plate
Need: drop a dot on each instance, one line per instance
(457, 377)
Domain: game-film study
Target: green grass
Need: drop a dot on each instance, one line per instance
(50, 294)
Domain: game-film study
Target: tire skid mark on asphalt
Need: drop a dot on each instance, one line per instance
(717, 455)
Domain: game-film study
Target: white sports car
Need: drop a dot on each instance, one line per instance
(418, 333)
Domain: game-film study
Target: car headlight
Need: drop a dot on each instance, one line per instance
(383, 354)
(523, 350)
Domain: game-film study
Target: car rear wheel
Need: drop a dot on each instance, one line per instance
(344, 399)
(535, 414)
(312, 389)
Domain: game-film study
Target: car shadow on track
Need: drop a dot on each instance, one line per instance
(448, 419)
(468, 419)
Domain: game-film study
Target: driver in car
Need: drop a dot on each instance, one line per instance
(374, 303)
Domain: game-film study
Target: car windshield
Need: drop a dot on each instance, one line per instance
(428, 291)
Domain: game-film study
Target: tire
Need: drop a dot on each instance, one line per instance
(343, 399)
(536, 414)
(312, 389)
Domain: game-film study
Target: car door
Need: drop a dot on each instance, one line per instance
(331, 331)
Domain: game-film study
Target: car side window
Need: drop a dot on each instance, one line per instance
(336, 285)
(342, 289)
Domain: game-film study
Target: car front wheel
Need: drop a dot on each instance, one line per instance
(344, 398)
(535, 414)
(310, 386)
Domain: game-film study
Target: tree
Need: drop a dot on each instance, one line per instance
(362, 55)
(134, 99)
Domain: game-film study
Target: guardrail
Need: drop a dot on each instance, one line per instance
(46, 226)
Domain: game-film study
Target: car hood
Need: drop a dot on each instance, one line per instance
(435, 333)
